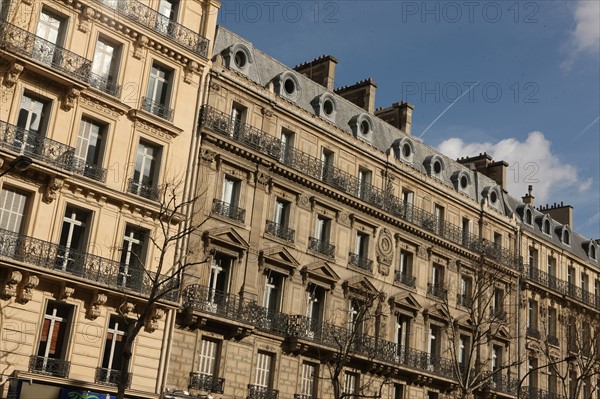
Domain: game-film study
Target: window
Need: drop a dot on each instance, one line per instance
(398, 391)
(498, 240)
(158, 93)
(364, 183)
(50, 33)
(209, 357)
(167, 10)
(264, 366)
(497, 360)
(497, 311)
(404, 273)
(315, 303)
(432, 395)
(13, 204)
(528, 216)
(463, 352)
(273, 291)
(133, 257)
(238, 118)
(552, 282)
(566, 237)
(546, 227)
(465, 297)
(532, 319)
(408, 196)
(113, 350)
(533, 375)
(326, 164)
(434, 343)
(436, 287)
(105, 66)
(287, 145)
(145, 175)
(552, 326)
(351, 381)
(54, 340)
(88, 154)
(73, 239)
(322, 228)
(402, 335)
(533, 257)
(438, 212)
(228, 206)
(308, 380)
(356, 311)
(571, 280)
(360, 258)
(467, 227)
(32, 121)
(280, 225)
(220, 269)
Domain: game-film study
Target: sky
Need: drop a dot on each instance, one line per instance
(519, 80)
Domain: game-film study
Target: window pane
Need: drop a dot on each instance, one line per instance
(12, 209)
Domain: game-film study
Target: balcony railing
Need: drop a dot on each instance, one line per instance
(153, 20)
(536, 393)
(405, 279)
(553, 340)
(500, 382)
(148, 191)
(561, 286)
(533, 332)
(111, 377)
(205, 382)
(272, 147)
(322, 247)
(36, 146)
(92, 268)
(425, 361)
(158, 109)
(464, 300)
(437, 291)
(203, 299)
(258, 392)
(280, 231)
(49, 366)
(360, 262)
(108, 86)
(90, 170)
(498, 314)
(304, 396)
(268, 319)
(229, 211)
(28, 45)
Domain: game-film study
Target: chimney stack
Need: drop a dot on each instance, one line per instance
(559, 212)
(528, 198)
(398, 115)
(320, 70)
(484, 164)
(360, 93)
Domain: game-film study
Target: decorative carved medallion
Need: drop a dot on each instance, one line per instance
(343, 218)
(385, 251)
(303, 201)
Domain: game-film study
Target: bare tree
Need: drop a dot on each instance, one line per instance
(174, 226)
(478, 325)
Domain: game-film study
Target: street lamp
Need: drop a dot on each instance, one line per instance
(20, 164)
(569, 359)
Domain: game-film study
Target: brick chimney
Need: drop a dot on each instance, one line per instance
(320, 70)
(398, 115)
(484, 164)
(529, 198)
(360, 93)
(559, 212)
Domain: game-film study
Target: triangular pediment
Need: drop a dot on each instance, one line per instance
(405, 300)
(438, 312)
(225, 239)
(360, 286)
(278, 258)
(320, 272)
(503, 334)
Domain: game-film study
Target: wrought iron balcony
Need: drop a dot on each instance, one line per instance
(49, 366)
(111, 377)
(405, 279)
(203, 299)
(553, 340)
(53, 56)
(321, 247)
(229, 211)
(464, 300)
(561, 286)
(36, 146)
(280, 231)
(108, 86)
(158, 109)
(437, 290)
(268, 319)
(205, 382)
(153, 20)
(93, 171)
(536, 393)
(499, 382)
(360, 262)
(258, 392)
(498, 314)
(304, 396)
(533, 332)
(424, 361)
(148, 191)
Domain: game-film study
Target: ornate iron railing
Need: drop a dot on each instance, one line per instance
(153, 20)
(499, 382)
(425, 361)
(405, 279)
(106, 376)
(304, 396)
(268, 319)
(93, 171)
(464, 300)
(561, 286)
(35, 146)
(437, 291)
(553, 340)
(26, 44)
(498, 314)
(158, 109)
(360, 262)
(205, 382)
(280, 231)
(108, 86)
(272, 147)
(143, 190)
(229, 211)
(322, 247)
(49, 366)
(203, 299)
(258, 392)
(536, 393)
(533, 332)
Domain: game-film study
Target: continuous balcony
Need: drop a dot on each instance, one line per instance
(90, 170)
(304, 396)
(105, 85)
(260, 392)
(502, 383)
(36, 146)
(153, 20)
(49, 366)
(464, 300)
(322, 247)
(533, 332)
(280, 231)
(536, 393)
(26, 44)
(405, 279)
(207, 383)
(313, 167)
(437, 291)
(110, 377)
(145, 190)
(205, 300)
(498, 314)
(229, 211)
(158, 109)
(553, 340)
(360, 262)
(560, 286)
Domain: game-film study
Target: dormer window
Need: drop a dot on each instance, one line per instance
(528, 217)
(461, 180)
(546, 226)
(404, 149)
(325, 106)
(435, 166)
(592, 252)
(362, 127)
(566, 236)
(287, 86)
(238, 57)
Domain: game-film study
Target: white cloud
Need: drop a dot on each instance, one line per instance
(530, 162)
(585, 37)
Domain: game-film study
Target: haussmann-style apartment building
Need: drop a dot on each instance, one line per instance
(336, 255)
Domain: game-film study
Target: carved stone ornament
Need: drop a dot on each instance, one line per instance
(52, 189)
(68, 101)
(214, 86)
(152, 320)
(66, 292)
(190, 69)
(12, 74)
(267, 112)
(9, 287)
(385, 251)
(343, 218)
(262, 178)
(138, 46)
(94, 310)
(26, 287)
(126, 308)
(303, 201)
(84, 19)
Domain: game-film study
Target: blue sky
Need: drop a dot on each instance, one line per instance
(517, 79)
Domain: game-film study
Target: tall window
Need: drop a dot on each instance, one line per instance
(465, 298)
(463, 352)
(89, 148)
(113, 347)
(533, 257)
(13, 204)
(159, 90)
(438, 212)
(238, 118)
(315, 303)
(105, 66)
(497, 310)
(50, 33)
(145, 175)
(552, 324)
(73, 238)
(398, 391)
(32, 121)
(436, 287)
(351, 382)
(434, 342)
(133, 257)
(231, 191)
(362, 249)
(167, 10)
(497, 360)
(498, 240)
(532, 319)
(287, 145)
(209, 351)
(571, 280)
(355, 316)
(364, 183)
(402, 335)
(404, 274)
(467, 229)
(54, 340)
(327, 164)
(322, 229)
(533, 375)
(220, 269)
(264, 367)
(308, 380)
(282, 212)
(273, 291)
